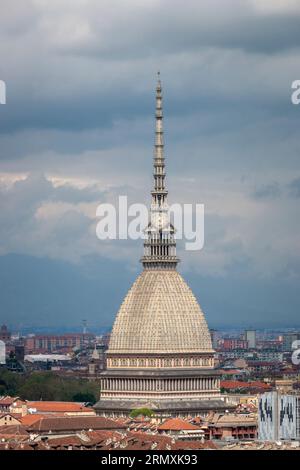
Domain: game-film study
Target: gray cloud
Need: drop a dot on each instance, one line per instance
(267, 191)
(93, 64)
(78, 129)
(294, 187)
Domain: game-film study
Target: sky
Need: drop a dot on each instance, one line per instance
(77, 130)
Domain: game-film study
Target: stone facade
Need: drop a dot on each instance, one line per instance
(118, 361)
(160, 353)
(144, 388)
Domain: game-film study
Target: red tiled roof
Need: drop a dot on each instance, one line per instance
(260, 385)
(143, 441)
(107, 440)
(17, 402)
(7, 401)
(66, 441)
(234, 384)
(58, 407)
(73, 423)
(29, 419)
(186, 445)
(177, 424)
(197, 420)
(14, 429)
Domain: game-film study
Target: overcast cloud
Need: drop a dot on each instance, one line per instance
(78, 129)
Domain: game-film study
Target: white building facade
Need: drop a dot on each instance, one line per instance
(279, 417)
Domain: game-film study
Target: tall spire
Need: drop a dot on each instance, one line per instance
(160, 244)
(159, 161)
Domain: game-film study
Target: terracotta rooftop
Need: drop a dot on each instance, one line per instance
(18, 402)
(186, 445)
(61, 442)
(73, 423)
(58, 407)
(234, 384)
(29, 419)
(197, 420)
(16, 429)
(105, 440)
(177, 424)
(232, 419)
(7, 400)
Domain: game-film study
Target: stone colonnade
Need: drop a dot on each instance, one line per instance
(159, 385)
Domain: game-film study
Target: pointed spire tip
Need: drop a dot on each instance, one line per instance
(158, 81)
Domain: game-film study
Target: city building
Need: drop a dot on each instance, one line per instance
(284, 385)
(160, 353)
(97, 361)
(13, 405)
(234, 343)
(235, 354)
(243, 399)
(269, 355)
(58, 408)
(235, 385)
(5, 334)
(278, 417)
(24, 438)
(67, 425)
(250, 336)
(288, 340)
(19, 351)
(232, 426)
(214, 338)
(270, 344)
(263, 367)
(7, 419)
(57, 343)
(180, 428)
(47, 358)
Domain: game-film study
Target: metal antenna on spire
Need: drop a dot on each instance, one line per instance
(158, 81)
(160, 244)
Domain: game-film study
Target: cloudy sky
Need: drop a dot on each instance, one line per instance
(78, 130)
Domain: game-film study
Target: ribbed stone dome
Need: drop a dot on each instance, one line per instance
(160, 314)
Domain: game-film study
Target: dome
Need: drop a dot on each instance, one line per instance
(160, 314)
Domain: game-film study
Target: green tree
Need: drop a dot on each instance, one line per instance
(141, 412)
(85, 397)
(9, 382)
(47, 385)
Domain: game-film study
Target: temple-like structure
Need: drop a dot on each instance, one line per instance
(160, 354)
